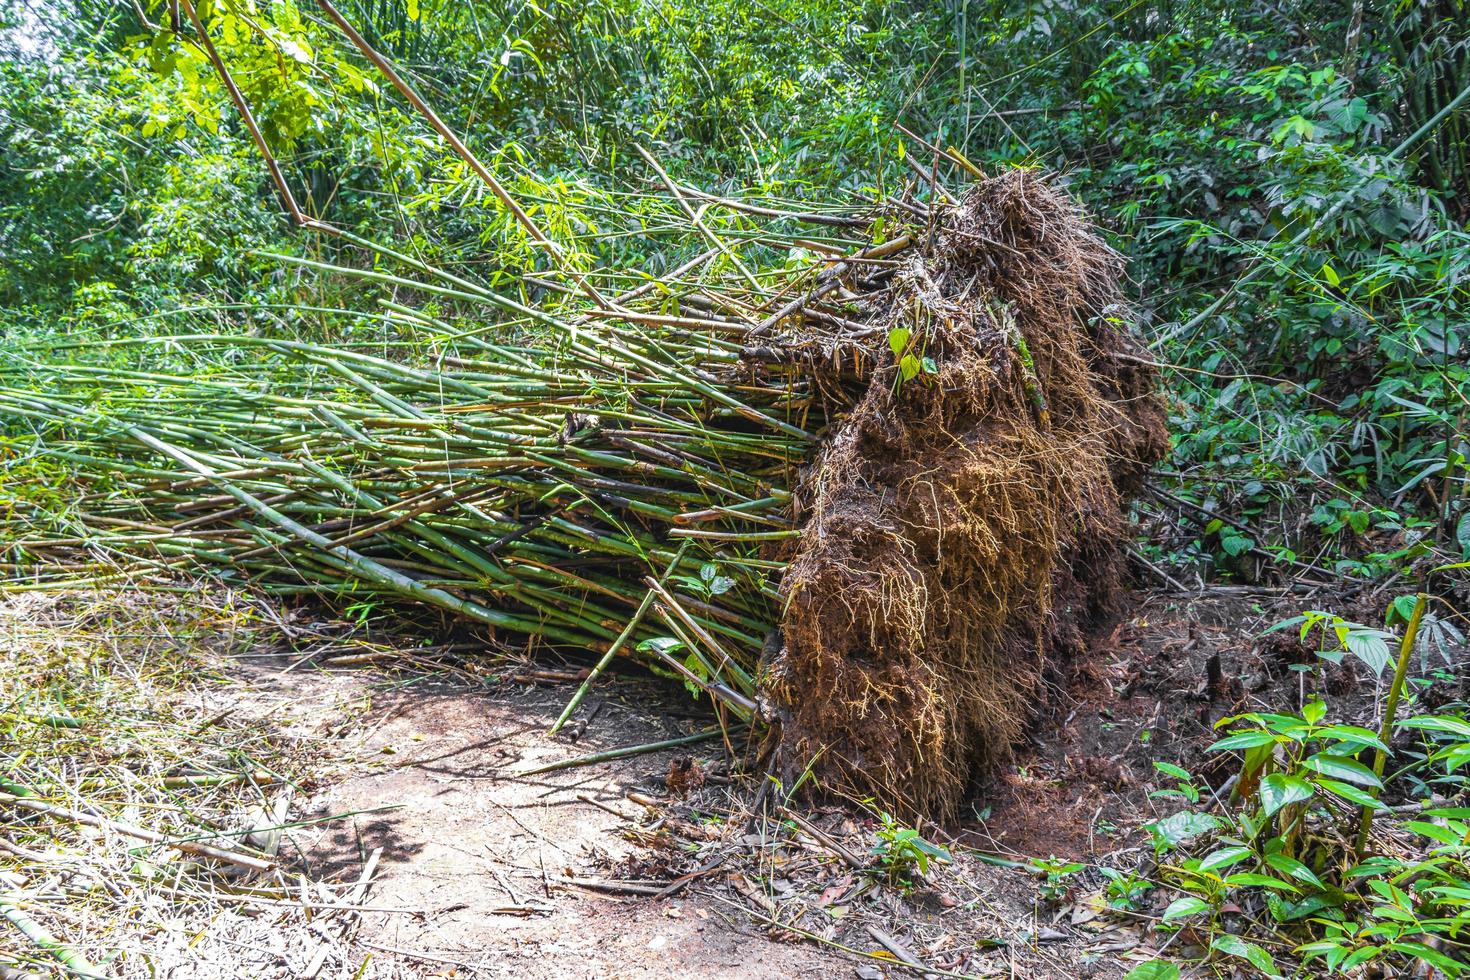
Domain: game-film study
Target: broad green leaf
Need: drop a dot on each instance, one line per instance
(1368, 647)
(1403, 606)
(1180, 827)
(1430, 955)
(1291, 911)
(1248, 878)
(930, 848)
(1373, 866)
(1355, 734)
(1314, 710)
(898, 339)
(1235, 946)
(1236, 545)
(1285, 623)
(1282, 724)
(1296, 869)
(1450, 812)
(1279, 790)
(1153, 970)
(1243, 740)
(1169, 769)
(1438, 723)
(1450, 894)
(1350, 793)
(1453, 757)
(1225, 857)
(1340, 768)
(1434, 832)
(1188, 905)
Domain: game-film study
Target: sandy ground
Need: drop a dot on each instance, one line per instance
(482, 857)
(420, 771)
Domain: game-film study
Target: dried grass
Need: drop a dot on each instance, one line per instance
(112, 707)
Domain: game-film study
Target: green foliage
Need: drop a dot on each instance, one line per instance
(902, 852)
(1153, 970)
(1055, 877)
(1277, 850)
(1210, 139)
(709, 583)
(1124, 890)
(95, 215)
(1371, 645)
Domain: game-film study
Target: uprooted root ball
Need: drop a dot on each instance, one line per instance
(963, 525)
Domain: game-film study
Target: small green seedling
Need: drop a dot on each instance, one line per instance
(901, 851)
(1055, 874)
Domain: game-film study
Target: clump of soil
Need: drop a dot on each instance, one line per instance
(963, 527)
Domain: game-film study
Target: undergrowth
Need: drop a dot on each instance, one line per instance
(1292, 225)
(1324, 847)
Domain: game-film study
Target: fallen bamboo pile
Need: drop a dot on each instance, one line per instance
(629, 474)
(530, 485)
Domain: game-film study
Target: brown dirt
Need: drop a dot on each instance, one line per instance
(963, 527)
(481, 856)
(482, 869)
(478, 861)
(1153, 689)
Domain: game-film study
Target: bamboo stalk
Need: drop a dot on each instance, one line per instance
(617, 645)
(139, 833)
(1390, 710)
(625, 753)
(75, 962)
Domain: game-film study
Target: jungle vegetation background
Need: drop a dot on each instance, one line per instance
(1305, 280)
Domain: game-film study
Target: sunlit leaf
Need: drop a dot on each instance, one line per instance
(1279, 790)
(1344, 769)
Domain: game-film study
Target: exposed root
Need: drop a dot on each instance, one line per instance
(964, 527)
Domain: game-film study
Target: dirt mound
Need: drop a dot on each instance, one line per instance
(963, 523)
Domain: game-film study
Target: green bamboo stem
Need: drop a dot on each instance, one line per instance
(330, 458)
(75, 962)
(1390, 709)
(612, 651)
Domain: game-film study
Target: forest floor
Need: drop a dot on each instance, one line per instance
(410, 802)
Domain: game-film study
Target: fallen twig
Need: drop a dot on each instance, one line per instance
(193, 847)
(682, 882)
(896, 948)
(615, 887)
(632, 750)
(817, 834)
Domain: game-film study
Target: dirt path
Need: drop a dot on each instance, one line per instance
(422, 771)
(485, 858)
(497, 872)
